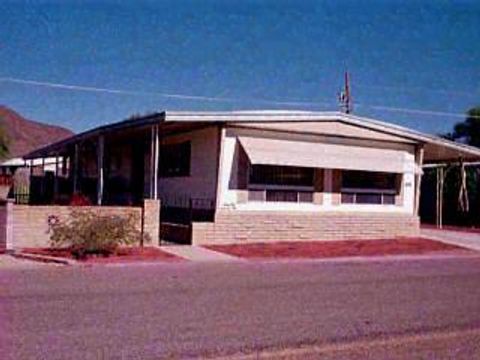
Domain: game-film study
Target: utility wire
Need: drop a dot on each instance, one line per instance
(419, 88)
(150, 93)
(414, 111)
(223, 99)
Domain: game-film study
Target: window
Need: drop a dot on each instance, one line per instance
(280, 184)
(364, 187)
(175, 160)
(281, 175)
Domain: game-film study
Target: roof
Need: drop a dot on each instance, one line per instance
(436, 148)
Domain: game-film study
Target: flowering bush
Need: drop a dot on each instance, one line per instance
(85, 232)
(80, 200)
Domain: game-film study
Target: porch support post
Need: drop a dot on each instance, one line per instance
(155, 167)
(75, 169)
(100, 166)
(418, 179)
(43, 177)
(55, 179)
(439, 211)
(152, 151)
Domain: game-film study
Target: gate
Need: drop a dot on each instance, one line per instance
(177, 215)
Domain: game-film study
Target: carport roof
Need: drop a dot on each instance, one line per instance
(437, 149)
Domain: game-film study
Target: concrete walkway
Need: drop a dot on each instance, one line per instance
(464, 239)
(197, 253)
(8, 262)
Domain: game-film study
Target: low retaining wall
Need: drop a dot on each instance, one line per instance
(232, 226)
(28, 225)
(3, 227)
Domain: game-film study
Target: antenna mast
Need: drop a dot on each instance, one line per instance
(345, 97)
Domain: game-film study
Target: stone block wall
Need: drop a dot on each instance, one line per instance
(3, 227)
(29, 224)
(233, 226)
(151, 220)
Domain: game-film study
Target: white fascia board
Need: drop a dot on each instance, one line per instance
(307, 116)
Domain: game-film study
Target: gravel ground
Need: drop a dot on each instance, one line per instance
(332, 249)
(197, 310)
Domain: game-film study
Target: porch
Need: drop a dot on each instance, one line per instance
(120, 167)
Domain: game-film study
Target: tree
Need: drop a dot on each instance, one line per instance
(468, 131)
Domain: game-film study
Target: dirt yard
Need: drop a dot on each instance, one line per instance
(329, 249)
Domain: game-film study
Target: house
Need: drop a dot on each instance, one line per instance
(24, 136)
(252, 176)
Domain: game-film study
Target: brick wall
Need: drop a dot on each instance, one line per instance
(30, 223)
(233, 226)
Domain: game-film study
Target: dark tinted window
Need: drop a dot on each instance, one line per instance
(368, 180)
(281, 175)
(175, 160)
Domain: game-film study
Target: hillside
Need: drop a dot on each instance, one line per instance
(27, 135)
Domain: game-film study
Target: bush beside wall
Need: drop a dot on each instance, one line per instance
(29, 224)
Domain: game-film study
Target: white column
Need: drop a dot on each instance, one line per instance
(418, 179)
(155, 167)
(9, 226)
(152, 151)
(100, 165)
(75, 169)
(220, 167)
(55, 179)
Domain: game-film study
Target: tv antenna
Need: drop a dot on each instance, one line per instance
(345, 96)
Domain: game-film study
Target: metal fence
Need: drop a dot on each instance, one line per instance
(178, 214)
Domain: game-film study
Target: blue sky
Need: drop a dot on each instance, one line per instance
(421, 55)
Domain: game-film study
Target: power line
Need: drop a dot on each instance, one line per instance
(415, 111)
(161, 94)
(224, 99)
(419, 88)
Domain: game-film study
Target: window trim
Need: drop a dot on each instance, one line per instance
(280, 187)
(382, 193)
(368, 191)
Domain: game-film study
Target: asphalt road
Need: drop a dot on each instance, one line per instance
(413, 309)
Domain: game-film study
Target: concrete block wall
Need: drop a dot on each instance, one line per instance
(3, 227)
(233, 226)
(151, 220)
(30, 223)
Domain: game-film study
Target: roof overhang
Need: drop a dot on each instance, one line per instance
(436, 148)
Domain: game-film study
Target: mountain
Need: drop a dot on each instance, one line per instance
(26, 135)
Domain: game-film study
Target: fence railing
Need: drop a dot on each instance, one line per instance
(185, 211)
(21, 198)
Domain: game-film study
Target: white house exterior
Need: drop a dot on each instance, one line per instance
(266, 175)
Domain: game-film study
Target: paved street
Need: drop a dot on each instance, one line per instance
(429, 308)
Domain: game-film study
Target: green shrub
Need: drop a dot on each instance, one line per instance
(85, 232)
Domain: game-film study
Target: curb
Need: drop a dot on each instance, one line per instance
(382, 258)
(43, 258)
